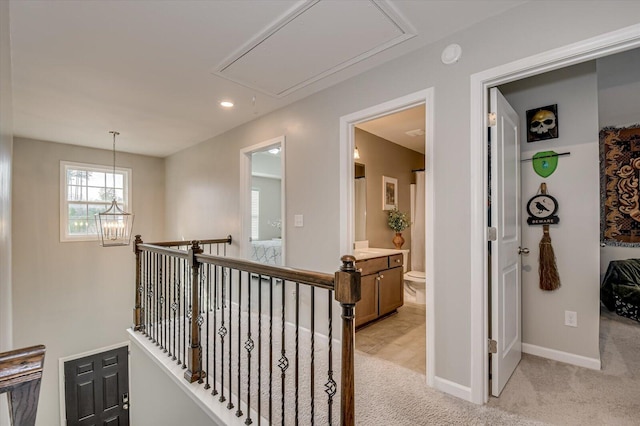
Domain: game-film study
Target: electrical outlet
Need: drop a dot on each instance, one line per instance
(571, 318)
(293, 295)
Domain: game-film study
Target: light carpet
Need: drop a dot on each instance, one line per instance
(563, 394)
(387, 394)
(541, 391)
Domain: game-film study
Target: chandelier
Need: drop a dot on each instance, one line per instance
(114, 224)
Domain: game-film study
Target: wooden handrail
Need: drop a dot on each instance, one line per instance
(20, 376)
(227, 240)
(316, 279)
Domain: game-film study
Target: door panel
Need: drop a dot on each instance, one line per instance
(97, 389)
(391, 290)
(367, 306)
(506, 325)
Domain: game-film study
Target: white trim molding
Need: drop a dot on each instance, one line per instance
(585, 50)
(452, 388)
(566, 357)
(347, 221)
(245, 193)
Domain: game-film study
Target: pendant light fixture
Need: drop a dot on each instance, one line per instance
(114, 224)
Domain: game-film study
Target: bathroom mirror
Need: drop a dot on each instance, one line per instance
(360, 201)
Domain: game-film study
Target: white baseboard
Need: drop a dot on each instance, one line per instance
(566, 357)
(452, 388)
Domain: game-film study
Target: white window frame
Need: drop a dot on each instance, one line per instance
(64, 203)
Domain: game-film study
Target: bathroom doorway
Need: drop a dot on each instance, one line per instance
(391, 144)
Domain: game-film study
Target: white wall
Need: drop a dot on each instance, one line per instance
(618, 105)
(155, 398)
(575, 184)
(6, 148)
(203, 181)
(72, 297)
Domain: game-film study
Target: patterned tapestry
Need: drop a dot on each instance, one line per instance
(619, 192)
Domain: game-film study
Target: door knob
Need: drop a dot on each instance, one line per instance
(523, 250)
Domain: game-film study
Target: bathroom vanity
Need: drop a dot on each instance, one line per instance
(382, 283)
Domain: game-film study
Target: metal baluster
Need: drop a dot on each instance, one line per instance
(200, 319)
(163, 293)
(283, 362)
(185, 310)
(172, 290)
(330, 386)
(313, 353)
(230, 403)
(215, 326)
(270, 349)
(259, 348)
(222, 332)
(207, 311)
(297, 349)
(154, 321)
(239, 410)
(145, 301)
(249, 345)
(156, 299)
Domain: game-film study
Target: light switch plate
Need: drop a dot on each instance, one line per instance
(298, 221)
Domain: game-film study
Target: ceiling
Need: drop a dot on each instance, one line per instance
(394, 128)
(156, 71)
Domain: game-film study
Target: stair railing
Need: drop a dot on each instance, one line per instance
(239, 328)
(20, 377)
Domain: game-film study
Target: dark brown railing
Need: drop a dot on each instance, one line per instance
(239, 328)
(20, 376)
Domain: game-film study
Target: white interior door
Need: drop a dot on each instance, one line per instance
(506, 326)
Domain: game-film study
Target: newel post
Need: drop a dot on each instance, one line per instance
(347, 292)
(137, 310)
(194, 357)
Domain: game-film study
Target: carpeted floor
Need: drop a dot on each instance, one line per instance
(541, 391)
(563, 394)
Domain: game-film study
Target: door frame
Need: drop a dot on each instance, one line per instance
(592, 48)
(61, 361)
(245, 193)
(347, 221)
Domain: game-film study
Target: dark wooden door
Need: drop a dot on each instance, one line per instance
(97, 389)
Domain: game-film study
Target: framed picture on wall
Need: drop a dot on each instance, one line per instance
(542, 123)
(389, 193)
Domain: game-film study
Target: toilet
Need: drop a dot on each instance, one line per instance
(415, 283)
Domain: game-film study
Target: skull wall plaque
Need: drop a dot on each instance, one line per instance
(542, 123)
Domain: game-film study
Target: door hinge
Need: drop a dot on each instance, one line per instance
(492, 233)
(492, 119)
(493, 346)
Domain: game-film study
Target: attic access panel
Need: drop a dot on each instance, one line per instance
(313, 41)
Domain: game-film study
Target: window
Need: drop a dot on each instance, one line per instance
(87, 189)
(255, 214)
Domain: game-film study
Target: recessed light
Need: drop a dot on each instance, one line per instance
(226, 104)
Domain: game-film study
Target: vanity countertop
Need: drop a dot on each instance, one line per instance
(371, 252)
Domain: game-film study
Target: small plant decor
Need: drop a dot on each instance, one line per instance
(398, 221)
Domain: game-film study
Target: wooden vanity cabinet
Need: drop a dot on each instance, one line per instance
(382, 289)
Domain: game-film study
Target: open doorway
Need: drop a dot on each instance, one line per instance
(557, 59)
(391, 148)
(263, 202)
(373, 247)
